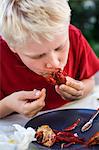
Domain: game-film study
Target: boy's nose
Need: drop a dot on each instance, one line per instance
(53, 62)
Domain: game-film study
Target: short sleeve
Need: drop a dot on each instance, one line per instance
(88, 61)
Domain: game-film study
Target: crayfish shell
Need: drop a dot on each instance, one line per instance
(57, 77)
(94, 140)
(45, 136)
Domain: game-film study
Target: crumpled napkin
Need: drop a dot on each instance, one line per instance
(19, 140)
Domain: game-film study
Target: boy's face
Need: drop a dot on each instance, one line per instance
(45, 57)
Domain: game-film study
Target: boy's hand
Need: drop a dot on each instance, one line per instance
(28, 103)
(73, 89)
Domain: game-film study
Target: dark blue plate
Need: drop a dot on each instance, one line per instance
(61, 119)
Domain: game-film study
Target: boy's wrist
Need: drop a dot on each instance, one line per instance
(4, 108)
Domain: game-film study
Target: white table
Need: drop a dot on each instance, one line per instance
(90, 102)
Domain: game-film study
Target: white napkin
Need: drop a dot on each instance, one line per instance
(19, 139)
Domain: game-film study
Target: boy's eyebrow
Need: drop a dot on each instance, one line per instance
(35, 56)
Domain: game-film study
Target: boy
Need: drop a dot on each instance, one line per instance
(36, 39)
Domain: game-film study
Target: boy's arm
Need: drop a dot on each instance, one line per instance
(27, 103)
(4, 110)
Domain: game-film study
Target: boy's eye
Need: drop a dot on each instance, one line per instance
(60, 48)
(39, 56)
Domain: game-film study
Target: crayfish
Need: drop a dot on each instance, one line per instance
(47, 137)
(93, 140)
(56, 77)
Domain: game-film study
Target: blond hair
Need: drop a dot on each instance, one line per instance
(23, 19)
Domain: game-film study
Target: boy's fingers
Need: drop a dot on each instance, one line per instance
(38, 93)
(37, 104)
(69, 96)
(57, 88)
(33, 112)
(43, 91)
(78, 85)
(70, 90)
(35, 94)
(30, 94)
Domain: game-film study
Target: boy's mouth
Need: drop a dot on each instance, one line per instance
(56, 77)
(50, 71)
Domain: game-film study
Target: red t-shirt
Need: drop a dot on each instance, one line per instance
(15, 76)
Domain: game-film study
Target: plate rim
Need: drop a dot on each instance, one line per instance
(66, 109)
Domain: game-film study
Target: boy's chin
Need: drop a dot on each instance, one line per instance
(39, 73)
